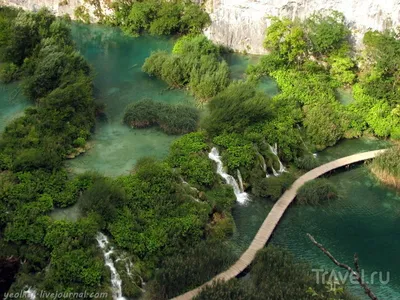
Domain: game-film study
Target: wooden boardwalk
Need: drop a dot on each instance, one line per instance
(276, 213)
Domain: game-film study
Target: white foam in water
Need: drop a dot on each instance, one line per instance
(241, 197)
(116, 282)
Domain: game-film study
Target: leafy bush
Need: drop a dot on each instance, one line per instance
(158, 217)
(171, 119)
(221, 226)
(323, 125)
(8, 73)
(221, 198)
(160, 17)
(236, 108)
(316, 191)
(285, 38)
(190, 268)
(190, 154)
(272, 187)
(104, 198)
(327, 32)
(195, 63)
(387, 167)
(275, 275)
(307, 162)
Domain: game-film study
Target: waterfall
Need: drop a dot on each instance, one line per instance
(298, 127)
(115, 279)
(240, 180)
(240, 197)
(274, 172)
(263, 165)
(274, 150)
(191, 187)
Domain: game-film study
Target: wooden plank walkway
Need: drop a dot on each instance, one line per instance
(274, 216)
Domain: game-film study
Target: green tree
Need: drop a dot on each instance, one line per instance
(327, 32)
(285, 38)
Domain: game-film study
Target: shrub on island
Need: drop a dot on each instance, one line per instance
(195, 63)
(172, 119)
(386, 167)
(316, 191)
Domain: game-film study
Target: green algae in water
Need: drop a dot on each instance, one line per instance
(117, 60)
(12, 103)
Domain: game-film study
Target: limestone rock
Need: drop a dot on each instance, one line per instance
(64, 7)
(241, 24)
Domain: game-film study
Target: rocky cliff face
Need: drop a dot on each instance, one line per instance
(93, 9)
(241, 24)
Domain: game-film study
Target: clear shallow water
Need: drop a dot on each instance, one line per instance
(238, 64)
(248, 219)
(117, 60)
(345, 96)
(12, 103)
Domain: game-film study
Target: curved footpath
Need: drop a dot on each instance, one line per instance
(276, 213)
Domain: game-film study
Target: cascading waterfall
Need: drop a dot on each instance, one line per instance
(116, 282)
(305, 145)
(274, 172)
(274, 150)
(240, 197)
(192, 188)
(240, 180)
(263, 164)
